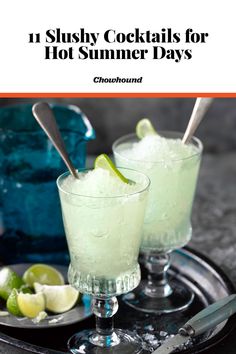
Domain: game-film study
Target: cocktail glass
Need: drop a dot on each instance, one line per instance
(104, 237)
(167, 224)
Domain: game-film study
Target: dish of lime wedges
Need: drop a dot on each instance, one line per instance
(20, 299)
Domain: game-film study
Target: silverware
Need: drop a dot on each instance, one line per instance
(206, 319)
(199, 110)
(45, 117)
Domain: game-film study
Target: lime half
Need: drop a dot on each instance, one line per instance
(30, 305)
(145, 128)
(8, 281)
(59, 298)
(43, 274)
(103, 161)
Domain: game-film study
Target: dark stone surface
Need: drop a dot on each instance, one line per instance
(214, 212)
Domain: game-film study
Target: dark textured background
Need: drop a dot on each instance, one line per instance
(114, 117)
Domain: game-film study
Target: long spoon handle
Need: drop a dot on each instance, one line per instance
(45, 117)
(200, 108)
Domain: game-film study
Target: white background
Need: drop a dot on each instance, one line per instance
(212, 68)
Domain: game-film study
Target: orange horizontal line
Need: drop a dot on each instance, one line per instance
(115, 94)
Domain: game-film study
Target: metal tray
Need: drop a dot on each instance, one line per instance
(207, 281)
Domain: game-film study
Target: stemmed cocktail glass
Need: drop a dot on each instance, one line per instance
(167, 224)
(104, 236)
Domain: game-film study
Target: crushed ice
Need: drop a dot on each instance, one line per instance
(56, 320)
(153, 339)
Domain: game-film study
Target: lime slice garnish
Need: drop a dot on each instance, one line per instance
(103, 161)
(59, 298)
(145, 128)
(30, 305)
(43, 274)
(8, 281)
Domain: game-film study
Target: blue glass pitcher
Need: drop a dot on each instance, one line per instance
(31, 227)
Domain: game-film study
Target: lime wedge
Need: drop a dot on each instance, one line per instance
(145, 128)
(59, 298)
(8, 281)
(103, 161)
(30, 305)
(43, 274)
(12, 305)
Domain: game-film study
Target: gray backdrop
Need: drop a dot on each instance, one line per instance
(112, 118)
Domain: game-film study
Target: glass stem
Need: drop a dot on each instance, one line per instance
(157, 266)
(104, 310)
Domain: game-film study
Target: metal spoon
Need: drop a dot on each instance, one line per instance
(200, 108)
(45, 117)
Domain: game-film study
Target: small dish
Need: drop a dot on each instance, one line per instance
(76, 314)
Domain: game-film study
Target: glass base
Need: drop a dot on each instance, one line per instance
(180, 299)
(100, 286)
(125, 342)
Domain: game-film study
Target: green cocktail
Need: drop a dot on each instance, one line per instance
(104, 245)
(173, 170)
